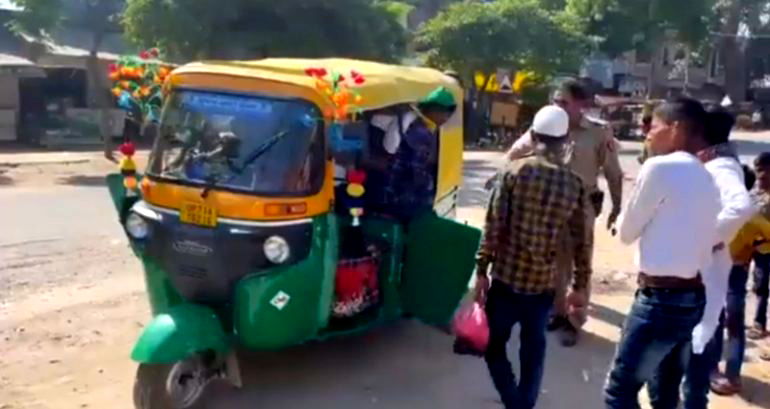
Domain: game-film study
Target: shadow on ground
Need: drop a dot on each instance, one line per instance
(5, 180)
(756, 391)
(82, 180)
(608, 315)
(405, 366)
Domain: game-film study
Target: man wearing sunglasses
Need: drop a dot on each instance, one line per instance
(593, 150)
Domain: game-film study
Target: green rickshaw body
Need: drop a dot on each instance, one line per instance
(210, 281)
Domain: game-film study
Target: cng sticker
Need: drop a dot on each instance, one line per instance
(280, 300)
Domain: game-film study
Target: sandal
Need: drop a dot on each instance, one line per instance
(725, 387)
(765, 355)
(756, 333)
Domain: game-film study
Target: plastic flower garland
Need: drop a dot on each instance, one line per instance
(138, 82)
(344, 103)
(337, 89)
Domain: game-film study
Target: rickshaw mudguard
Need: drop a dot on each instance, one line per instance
(179, 333)
(289, 305)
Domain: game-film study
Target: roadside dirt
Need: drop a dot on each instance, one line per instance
(84, 170)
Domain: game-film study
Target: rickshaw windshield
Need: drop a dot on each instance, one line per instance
(246, 143)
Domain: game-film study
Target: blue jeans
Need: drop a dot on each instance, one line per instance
(504, 309)
(761, 287)
(655, 347)
(697, 382)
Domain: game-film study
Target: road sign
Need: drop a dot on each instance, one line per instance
(504, 78)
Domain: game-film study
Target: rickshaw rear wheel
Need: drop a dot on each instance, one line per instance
(170, 386)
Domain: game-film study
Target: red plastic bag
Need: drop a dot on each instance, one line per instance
(471, 327)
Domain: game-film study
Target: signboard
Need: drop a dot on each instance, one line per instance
(504, 114)
(481, 79)
(504, 79)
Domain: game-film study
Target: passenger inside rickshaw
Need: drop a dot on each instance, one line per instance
(398, 149)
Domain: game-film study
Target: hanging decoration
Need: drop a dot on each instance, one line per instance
(128, 168)
(338, 90)
(138, 83)
(355, 191)
(344, 103)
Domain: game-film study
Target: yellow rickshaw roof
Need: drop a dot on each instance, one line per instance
(385, 84)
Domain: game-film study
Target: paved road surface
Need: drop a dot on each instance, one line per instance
(404, 366)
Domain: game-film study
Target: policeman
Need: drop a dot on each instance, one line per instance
(649, 106)
(593, 150)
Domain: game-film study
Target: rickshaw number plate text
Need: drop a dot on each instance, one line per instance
(198, 214)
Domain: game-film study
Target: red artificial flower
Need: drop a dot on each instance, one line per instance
(316, 72)
(155, 52)
(128, 149)
(355, 74)
(359, 80)
(356, 176)
(113, 67)
(144, 55)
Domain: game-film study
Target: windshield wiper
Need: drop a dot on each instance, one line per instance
(213, 180)
(261, 150)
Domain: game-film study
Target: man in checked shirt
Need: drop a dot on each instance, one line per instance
(536, 201)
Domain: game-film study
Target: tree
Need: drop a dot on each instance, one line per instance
(514, 34)
(40, 18)
(623, 25)
(737, 21)
(201, 29)
(474, 36)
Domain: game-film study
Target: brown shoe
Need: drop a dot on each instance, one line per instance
(725, 387)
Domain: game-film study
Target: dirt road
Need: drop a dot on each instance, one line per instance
(72, 303)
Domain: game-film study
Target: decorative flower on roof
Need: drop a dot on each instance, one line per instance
(339, 92)
(138, 82)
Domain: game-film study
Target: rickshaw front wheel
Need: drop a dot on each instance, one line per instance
(173, 386)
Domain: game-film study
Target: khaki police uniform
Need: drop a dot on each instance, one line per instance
(593, 150)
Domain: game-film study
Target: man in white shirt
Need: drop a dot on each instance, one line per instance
(721, 160)
(672, 212)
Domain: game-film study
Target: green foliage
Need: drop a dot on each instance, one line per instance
(622, 25)
(399, 9)
(37, 16)
(200, 29)
(519, 34)
(41, 17)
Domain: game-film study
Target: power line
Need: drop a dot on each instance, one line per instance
(750, 36)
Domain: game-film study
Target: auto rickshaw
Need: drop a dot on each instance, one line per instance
(237, 220)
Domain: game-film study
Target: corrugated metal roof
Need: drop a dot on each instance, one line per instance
(77, 43)
(13, 60)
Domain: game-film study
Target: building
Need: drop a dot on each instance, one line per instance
(47, 97)
(668, 72)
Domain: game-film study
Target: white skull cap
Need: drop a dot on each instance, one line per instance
(551, 121)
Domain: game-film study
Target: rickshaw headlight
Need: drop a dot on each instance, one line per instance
(276, 249)
(136, 227)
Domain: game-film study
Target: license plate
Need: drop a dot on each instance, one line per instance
(198, 214)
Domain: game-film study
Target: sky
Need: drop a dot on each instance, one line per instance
(7, 5)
